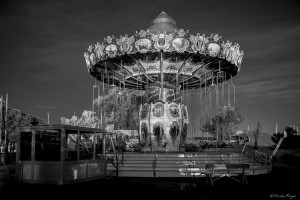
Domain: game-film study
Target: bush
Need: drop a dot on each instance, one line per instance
(138, 147)
(292, 141)
(192, 146)
(120, 143)
(221, 144)
(203, 144)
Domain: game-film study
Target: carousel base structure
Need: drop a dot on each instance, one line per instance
(163, 125)
(210, 165)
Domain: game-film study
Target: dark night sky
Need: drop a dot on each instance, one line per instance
(42, 44)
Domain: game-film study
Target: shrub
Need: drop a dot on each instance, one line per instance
(292, 141)
(192, 146)
(137, 147)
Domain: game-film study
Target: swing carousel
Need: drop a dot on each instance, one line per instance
(186, 78)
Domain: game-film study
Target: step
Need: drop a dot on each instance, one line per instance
(135, 174)
(145, 155)
(183, 158)
(172, 162)
(178, 174)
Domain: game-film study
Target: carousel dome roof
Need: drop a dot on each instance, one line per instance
(163, 23)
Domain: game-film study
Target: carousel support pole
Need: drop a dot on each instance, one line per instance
(103, 93)
(182, 92)
(139, 126)
(217, 110)
(209, 101)
(150, 126)
(98, 105)
(93, 100)
(200, 109)
(228, 93)
(176, 81)
(223, 89)
(204, 107)
(233, 92)
(187, 102)
(162, 90)
(141, 106)
(136, 101)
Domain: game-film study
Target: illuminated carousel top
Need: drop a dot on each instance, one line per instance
(164, 54)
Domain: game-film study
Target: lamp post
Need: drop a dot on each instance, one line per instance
(1, 119)
(3, 123)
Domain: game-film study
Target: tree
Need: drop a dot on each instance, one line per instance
(224, 124)
(16, 118)
(276, 137)
(87, 119)
(292, 141)
(257, 133)
(121, 107)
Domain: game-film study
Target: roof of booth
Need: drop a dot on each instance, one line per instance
(61, 126)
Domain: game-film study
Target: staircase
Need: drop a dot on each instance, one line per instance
(170, 164)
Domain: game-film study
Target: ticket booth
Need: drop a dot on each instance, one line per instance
(60, 154)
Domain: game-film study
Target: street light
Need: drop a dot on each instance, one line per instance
(1, 111)
(5, 124)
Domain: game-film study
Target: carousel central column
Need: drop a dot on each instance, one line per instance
(161, 75)
(161, 128)
(162, 119)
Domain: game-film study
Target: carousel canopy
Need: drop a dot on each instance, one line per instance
(163, 24)
(164, 54)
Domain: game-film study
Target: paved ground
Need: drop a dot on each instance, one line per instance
(280, 184)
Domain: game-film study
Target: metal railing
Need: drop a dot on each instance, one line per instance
(263, 159)
(116, 155)
(154, 165)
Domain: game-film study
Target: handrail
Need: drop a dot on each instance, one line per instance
(122, 160)
(278, 145)
(154, 165)
(190, 161)
(263, 158)
(244, 147)
(112, 144)
(116, 155)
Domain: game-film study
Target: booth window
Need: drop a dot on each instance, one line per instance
(47, 145)
(86, 145)
(71, 145)
(25, 146)
(99, 145)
